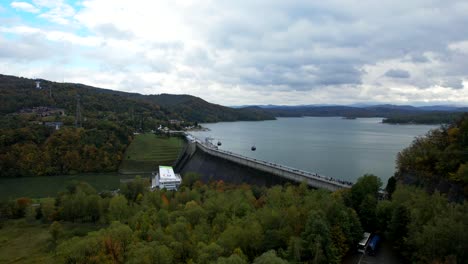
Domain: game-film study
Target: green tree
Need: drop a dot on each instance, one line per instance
(48, 209)
(318, 244)
(366, 185)
(398, 227)
(55, 231)
(295, 249)
(119, 209)
(367, 212)
(269, 257)
(209, 253)
(149, 253)
(391, 186)
(30, 213)
(233, 259)
(190, 178)
(132, 189)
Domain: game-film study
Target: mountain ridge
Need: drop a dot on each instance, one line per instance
(19, 92)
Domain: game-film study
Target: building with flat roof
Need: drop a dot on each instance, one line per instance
(166, 178)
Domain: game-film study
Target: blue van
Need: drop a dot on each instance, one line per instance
(373, 245)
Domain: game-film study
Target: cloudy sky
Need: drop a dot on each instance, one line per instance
(245, 51)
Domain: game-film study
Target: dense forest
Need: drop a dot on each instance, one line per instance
(221, 223)
(95, 140)
(438, 161)
(37, 150)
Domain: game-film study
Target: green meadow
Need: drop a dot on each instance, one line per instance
(29, 242)
(148, 151)
(48, 186)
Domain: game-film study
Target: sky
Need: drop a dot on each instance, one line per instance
(246, 52)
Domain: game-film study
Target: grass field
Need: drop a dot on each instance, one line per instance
(22, 242)
(49, 186)
(148, 151)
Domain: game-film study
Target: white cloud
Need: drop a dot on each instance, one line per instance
(54, 35)
(461, 46)
(239, 52)
(24, 6)
(60, 14)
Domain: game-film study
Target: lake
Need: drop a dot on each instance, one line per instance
(331, 146)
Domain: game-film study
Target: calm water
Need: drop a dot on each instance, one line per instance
(331, 146)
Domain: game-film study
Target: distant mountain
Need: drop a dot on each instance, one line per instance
(393, 107)
(444, 108)
(391, 113)
(17, 93)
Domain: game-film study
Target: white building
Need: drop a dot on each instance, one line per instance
(166, 178)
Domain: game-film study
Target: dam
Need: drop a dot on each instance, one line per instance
(283, 172)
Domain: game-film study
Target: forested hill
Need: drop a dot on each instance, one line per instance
(196, 109)
(31, 144)
(393, 114)
(438, 161)
(18, 93)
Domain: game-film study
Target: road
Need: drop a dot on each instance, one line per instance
(385, 255)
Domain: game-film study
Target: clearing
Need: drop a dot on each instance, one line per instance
(148, 151)
(23, 242)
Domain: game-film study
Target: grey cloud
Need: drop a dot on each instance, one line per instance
(134, 83)
(396, 73)
(111, 31)
(28, 48)
(198, 57)
(299, 78)
(285, 35)
(454, 83)
(418, 58)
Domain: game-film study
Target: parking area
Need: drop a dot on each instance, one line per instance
(385, 255)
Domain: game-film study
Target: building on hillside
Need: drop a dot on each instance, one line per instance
(166, 178)
(43, 111)
(38, 84)
(175, 122)
(56, 125)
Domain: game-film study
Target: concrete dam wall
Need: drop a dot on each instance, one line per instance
(235, 168)
(215, 168)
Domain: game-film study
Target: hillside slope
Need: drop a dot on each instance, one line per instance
(438, 161)
(40, 134)
(18, 93)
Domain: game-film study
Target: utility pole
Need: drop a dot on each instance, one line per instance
(78, 121)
